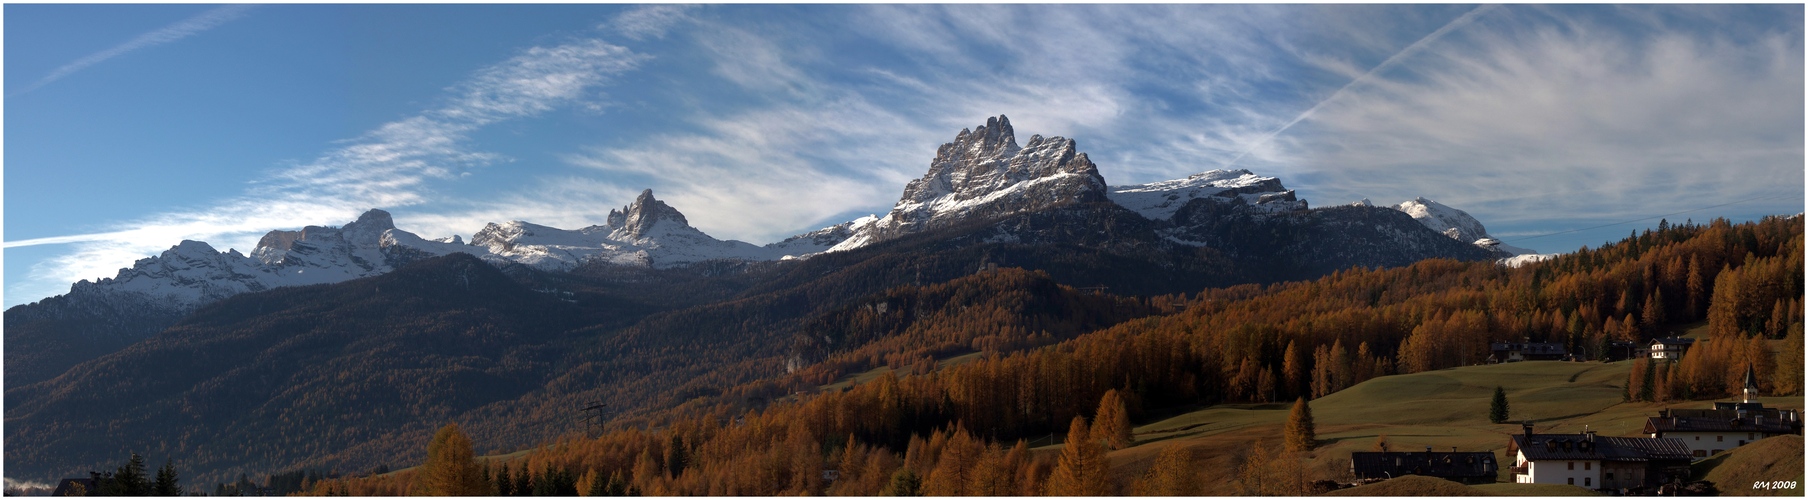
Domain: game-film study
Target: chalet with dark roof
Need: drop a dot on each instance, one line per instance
(75, 486)
(1728, 425)
(1463, 467)
(1509, 352)
(1600, 463)
(1670, 348)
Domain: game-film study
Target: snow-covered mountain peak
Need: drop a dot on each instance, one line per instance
(190, 249)
(994, 139)
(1451, 222)
(1458, 225)
(983, 173)
(1159, 200)
(369, 227)
(637, 220)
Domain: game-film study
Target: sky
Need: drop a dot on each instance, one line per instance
(129, 128)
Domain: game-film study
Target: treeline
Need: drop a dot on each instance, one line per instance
(131, 480)
(1245, 343)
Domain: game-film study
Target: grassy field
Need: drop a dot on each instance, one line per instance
(869, 375)
(1410, 486)
(1772, 459)
(1442, 409)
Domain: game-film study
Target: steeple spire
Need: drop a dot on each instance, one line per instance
(1751, 384)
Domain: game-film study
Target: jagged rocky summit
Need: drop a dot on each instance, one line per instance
(983, 174)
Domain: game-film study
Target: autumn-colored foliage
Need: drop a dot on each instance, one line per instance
(1172, 475)
(1083, 469)
(1111, 423)
(920, 427)
(451, 468)
(1300, 431)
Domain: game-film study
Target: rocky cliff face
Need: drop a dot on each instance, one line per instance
(981, 188)
(638, 219)
(1160, 200)
(983, 175)
(96, 317)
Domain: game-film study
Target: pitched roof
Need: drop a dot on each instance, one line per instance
(65, 486)
(1651, 449)
(1767, 420)
(1613, 449)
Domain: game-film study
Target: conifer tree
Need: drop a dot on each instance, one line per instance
(451, 468)
(1252, 474)
(1300, 434)
(1647, 384)
(904, 483)
(505, 485)
(1293, 368)
(168, 483)
(1653, 312)
(593, 484)
(1789, 363)
(676, 456)
(953, 471)
(1172, 475)
(618, 486)
(1081, 470)
(1111, 424)
(1497, 409)
(524, 482)
(128, 481)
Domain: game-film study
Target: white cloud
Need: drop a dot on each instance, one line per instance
(389, 167)
(762, 175)
(1525, 113)
(649, 21)
(1578, 120)
(182, 29)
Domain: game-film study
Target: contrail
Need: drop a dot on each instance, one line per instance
(183, 29)
(1459, 22)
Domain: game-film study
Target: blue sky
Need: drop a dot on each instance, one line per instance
(132, 127)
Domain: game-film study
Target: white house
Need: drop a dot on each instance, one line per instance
(1670, 348)
(1597, 463)
(1728, 425)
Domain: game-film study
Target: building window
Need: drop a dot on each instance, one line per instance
(1572, 481)
(1697, 438)
(1751, 436)
(1701, 453)
(1588, 481)
(1719, 438)
(1572, 466)
(1609, 475)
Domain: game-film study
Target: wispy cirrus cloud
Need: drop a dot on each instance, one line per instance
(391, 166)
(180, 30)
(764, 174)
(1538, 107)
(1534, 119)
(1403, 53)
(763, 122)
(648, 22)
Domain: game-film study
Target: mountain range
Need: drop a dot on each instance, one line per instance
(622, 301)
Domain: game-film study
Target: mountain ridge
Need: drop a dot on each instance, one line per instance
(982, 180)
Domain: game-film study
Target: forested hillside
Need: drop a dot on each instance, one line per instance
(964, 429)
